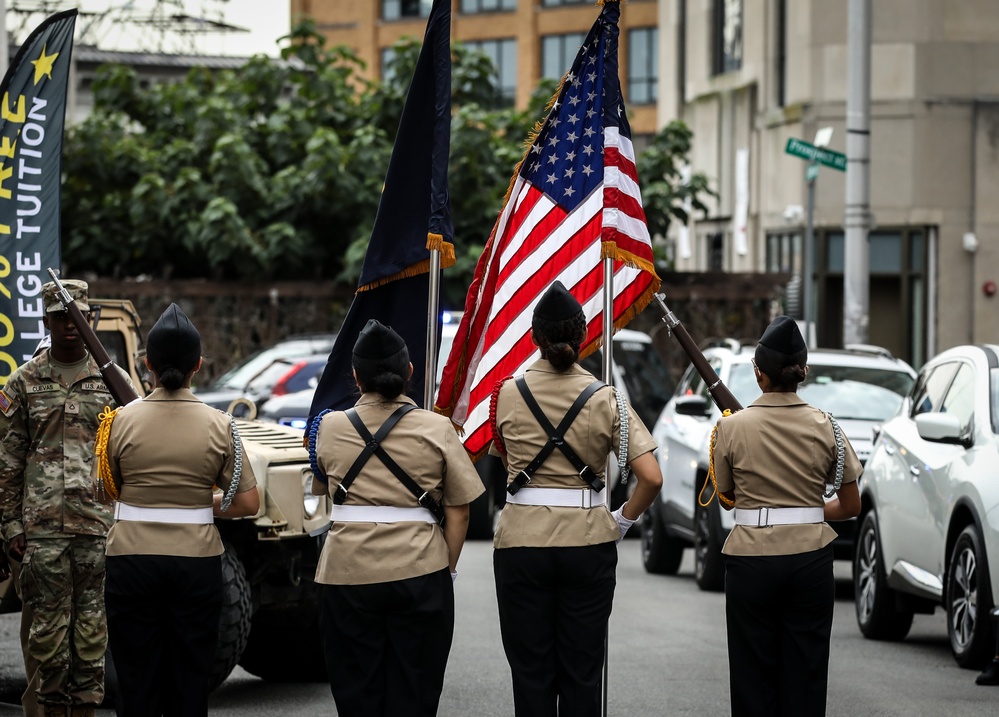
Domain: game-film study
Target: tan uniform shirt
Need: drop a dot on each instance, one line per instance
(425, 445)
(779, 452)
(167, 451)
(593, 435)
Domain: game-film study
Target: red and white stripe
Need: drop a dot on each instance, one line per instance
(534, 243)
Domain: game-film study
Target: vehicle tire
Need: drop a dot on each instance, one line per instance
(879, 613)
(709, 566)
(234, 623)
(661, 552)
(969, 599)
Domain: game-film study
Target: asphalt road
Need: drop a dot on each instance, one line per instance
(667, 657)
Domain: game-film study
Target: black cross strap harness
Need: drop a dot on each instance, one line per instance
(556, 438)
(373, 448)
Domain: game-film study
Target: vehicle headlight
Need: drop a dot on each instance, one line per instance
(310, 503)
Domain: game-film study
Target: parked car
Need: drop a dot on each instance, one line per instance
(638, 370)
(929, 522)
(288, 366)
(860, 386)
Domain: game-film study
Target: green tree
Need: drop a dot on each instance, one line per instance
(275, 170)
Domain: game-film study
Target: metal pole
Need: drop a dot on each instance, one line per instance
(608, 378)
(433, 324)
(856, 221)
(807, 272)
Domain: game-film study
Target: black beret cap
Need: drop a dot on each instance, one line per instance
(557, 304)
(783, 336)
(173, 342)
(378, 342)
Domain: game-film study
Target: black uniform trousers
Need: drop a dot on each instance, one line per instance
(779, 610)
(163, 626)
(554, 605)
(387, 644)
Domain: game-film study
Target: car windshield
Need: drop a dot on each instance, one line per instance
(265, 367)
(847, 392)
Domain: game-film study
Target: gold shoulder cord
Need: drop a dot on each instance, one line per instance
(711, 471)
(105, 481)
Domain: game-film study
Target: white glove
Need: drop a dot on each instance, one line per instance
(623, 524)
(454, 576)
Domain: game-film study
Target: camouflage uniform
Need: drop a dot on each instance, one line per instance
(47, 494)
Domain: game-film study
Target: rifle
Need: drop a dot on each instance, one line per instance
(120, 388)
(722, 397)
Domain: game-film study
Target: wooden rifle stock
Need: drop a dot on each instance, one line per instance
(119, 387)
(722, 397)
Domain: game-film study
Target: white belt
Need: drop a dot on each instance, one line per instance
(380, 514)
(189, 516)
(559, 497)
(762, 517)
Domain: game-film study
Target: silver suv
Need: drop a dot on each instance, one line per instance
(861, 386)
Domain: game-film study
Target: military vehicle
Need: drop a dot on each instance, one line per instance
(269, 615)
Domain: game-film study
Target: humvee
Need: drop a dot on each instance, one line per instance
(269, 601)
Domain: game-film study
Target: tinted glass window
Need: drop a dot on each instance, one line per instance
(960, 399)
(240, 376)
(930, 389)
(742, 383)
(114, 342)
(644, 373)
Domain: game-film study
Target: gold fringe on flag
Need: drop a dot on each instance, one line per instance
(610, 250)
(434, 241)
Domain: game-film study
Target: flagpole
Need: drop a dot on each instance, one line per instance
(433, 323)
(608, 378)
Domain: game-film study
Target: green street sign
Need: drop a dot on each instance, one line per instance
(804, 150)
(811, 171)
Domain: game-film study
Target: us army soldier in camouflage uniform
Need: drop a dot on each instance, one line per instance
(51, 517)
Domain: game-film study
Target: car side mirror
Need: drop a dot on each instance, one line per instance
(940, 428)
(692, 406)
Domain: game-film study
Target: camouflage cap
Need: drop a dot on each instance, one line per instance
(76, 288)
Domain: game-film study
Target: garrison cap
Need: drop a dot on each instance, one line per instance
(77, 290)
(557, 304)
(378, 344)
(173, 342)
(783, 336)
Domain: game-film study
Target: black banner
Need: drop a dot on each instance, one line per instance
(32, 116)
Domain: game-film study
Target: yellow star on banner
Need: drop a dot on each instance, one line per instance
(43, 65)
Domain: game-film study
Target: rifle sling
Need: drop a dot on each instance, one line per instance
(556, 438)
(373, 447)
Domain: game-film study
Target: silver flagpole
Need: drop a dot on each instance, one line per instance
(433, 325)
(608, 378)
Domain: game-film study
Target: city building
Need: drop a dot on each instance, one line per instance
(526, 39)
(749, 75)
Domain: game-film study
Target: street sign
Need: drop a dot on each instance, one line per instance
(804, 150)
(811, 171)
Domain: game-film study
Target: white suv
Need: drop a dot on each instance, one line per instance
(860, 386)
(929, 525)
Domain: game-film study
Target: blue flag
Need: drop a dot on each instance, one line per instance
(32, 115)
(414, 217)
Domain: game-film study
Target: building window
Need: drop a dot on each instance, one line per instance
(560, 3)
(716, 251)
(897, 299)
(558, 52)
(471, 7)
(785, 255)
(503, 54)
(388, 71)
(643, 61)
(404, 9)
(780, 54)
(727, 41)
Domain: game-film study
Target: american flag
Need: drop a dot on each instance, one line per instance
(574, 201)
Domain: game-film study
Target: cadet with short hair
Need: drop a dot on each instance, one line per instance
(51, 517)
